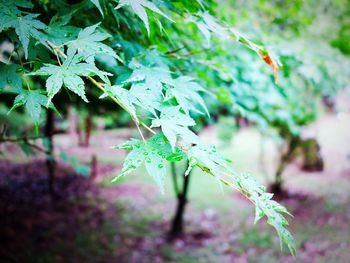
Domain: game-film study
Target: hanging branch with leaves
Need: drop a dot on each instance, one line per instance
(68, 56)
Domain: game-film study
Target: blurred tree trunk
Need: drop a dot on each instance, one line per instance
(312, 158)
(329, 102)
(50, 161)
(80, 135)
(277, 186)
(88, 127)
(177, 225)
(84, 128)
(93, 168)
(73, 124)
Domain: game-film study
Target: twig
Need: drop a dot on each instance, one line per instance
(174, 51)
(24, 140)
(20, 139)
(188, 54)
(36, 147)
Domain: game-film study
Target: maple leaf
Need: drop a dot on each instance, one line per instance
(69, 75)
(147, 86)
(138, 7)
(10, 77)
(174, 124)
(58, 32)
(153, 153)
(185, 91)
(32, 100)
(25, 26)
(124, 97)
(88, 43)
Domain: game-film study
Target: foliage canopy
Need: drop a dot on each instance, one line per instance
(159, 61)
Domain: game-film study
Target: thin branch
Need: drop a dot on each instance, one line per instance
(174, 51)
(138, 128)
(23, 139)
(56, 50)
(58, 58)
(144, 125)
(26, 141)
(188, 54)
(36, 147)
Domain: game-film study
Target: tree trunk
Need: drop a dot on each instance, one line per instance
(80, 135)
(277, 186)
(177, 225)
(312, 158)
(50, 161)
(93, 168)
(73, 124)
(88, 127)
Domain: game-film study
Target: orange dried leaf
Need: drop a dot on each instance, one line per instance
(272, 63)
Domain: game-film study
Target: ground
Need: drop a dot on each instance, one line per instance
(94, 220)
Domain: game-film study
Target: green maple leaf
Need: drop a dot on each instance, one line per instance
(154, 77)
(147, 99)
(138, 7)
(272, 210)
(209, 158)
(33, 101)
(69, 75)
(58, 32)
(25, 26)
(10, 77)
(147, 86)
(153, 153)
(185, 91)
(88, 43)
(125, 98)
(9, 13)
(28, 27)
(174, 123)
